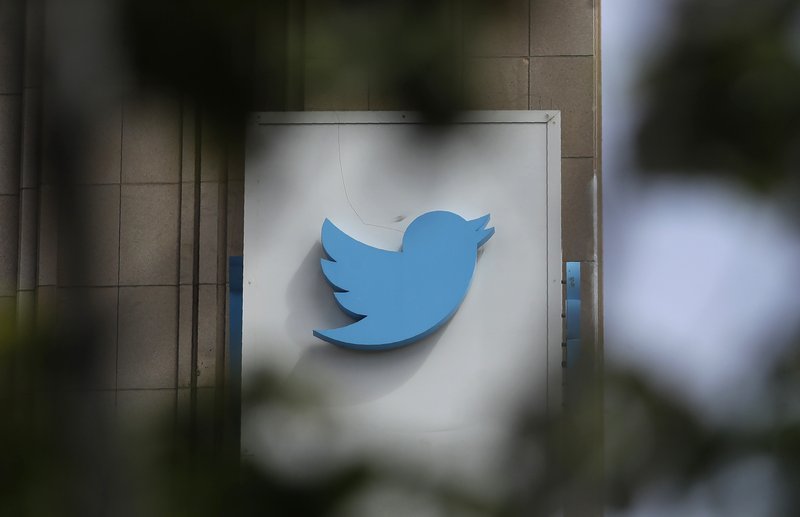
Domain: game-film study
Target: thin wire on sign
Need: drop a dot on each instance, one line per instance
(344, 183)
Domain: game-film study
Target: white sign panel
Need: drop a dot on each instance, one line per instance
(371, 174)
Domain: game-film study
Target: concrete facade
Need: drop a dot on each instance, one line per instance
(162, 194)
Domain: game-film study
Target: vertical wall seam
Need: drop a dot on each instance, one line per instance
(15, 257)
(222, 305)
(530, 43)
(178, 263)
(222, 266)
(119, 244)
(598, 176)
(23, 143)
(27, 249)
(196, 262)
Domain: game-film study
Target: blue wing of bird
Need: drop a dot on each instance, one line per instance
(361, 274)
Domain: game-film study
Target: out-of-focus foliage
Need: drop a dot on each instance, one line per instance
(245, 55)
(723, 98)
(203, 49)
(655, 442)
(65, 451)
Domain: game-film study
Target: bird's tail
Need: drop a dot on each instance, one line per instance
(364, 334)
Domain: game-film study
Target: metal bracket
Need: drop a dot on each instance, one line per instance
(235, 281)
(573, 314)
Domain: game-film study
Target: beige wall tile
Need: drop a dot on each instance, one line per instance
(567, 84)
(562, 27)
(149, 235)
(331, 85)
(9, 232)
(497, 83)
(151, 140)
(31, 138)
(148, 337)
(500, 30)
(187, 233)
(578, 209)
(47, 271)
(102, 163)
(28, 239)
(208, 332)
(186, 302)
(95, 308)
(10, 141)
(12, 25)
(95, 262)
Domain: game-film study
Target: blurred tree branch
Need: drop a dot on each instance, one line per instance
(723, 97)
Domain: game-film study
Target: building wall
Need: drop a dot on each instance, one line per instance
(161, 192)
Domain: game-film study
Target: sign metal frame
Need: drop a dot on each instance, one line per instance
(552, 120)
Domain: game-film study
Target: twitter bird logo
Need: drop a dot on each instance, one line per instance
(399, 297)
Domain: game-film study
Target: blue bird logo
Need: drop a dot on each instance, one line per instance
(402, 296)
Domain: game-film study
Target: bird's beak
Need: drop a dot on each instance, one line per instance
(479, 225)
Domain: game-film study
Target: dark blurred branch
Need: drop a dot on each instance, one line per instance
(723, 98)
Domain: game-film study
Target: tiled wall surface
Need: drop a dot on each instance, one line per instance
(162, 194)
